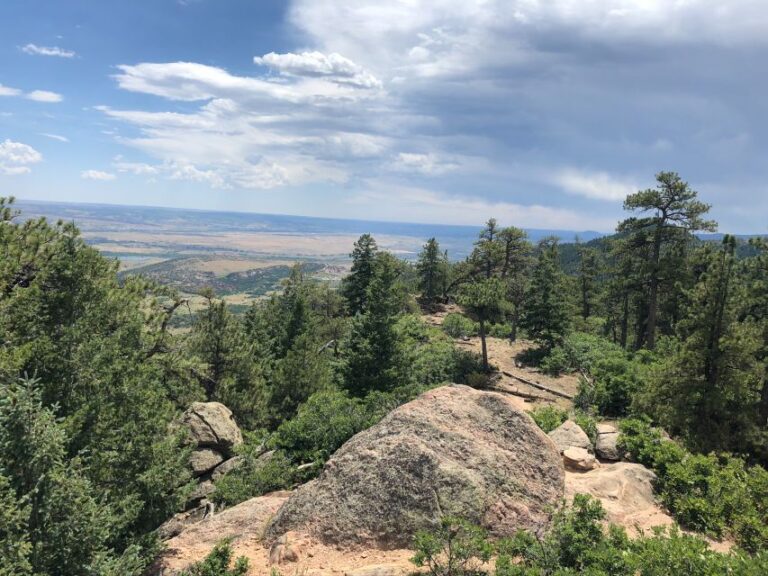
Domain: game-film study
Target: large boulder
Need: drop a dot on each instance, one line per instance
(212, 425)
(454, 450)
(570, 435)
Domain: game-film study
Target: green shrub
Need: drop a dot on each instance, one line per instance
(322, 425)
(255, 477)
(499, 330)
(455, 548)
(548, 417)
(588, 424)
(716, 494)
(457, 325)
(578, 543)
(218, 563)
(556, 362)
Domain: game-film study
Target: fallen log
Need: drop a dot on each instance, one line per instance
(523, 395)
(539, 386)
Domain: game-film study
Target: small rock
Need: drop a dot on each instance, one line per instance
(282, 552)
(204, 459)
(606, 447)
(606, 428)
(579, 459)
(569, 434)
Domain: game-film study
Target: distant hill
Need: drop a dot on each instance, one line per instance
(95, 218)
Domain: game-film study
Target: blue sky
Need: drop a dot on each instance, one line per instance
(544, 114)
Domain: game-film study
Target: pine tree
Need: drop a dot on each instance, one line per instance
(708, 391)
(371, 352)
(676, 214)
(514, 271)
(431, 271)
(588, 272)
(546, 313)
(355, 284)
(483, 299)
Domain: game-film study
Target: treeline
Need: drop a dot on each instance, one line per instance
(658, 322)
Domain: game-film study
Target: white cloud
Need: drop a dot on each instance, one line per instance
(136, 168)
(44, 96)
(55, 137)
(15, 158)
(189, 81)
(413, 204)
(7, 91)
(34, 49)
(428, 164)
(96, 175)
(594, 185)
(316, 64)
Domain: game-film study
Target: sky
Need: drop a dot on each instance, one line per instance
(541, 113)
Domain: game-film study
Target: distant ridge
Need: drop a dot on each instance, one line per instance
(111, 217)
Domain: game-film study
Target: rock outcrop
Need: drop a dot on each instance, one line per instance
(212, 425)
(626, 492)
(570, 435)
(453, 450)
(213, 435)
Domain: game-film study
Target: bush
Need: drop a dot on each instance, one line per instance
(588, 424)
(556, 362)
(256, 476)
(428, 357)
(218, 563)
(457, 325)
(455, 548)
(578, 543)
(322, 425)
(614, 374)
(548, 417)
(716, 494)
(500, 330)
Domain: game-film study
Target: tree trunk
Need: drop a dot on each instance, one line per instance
(513, 326)
(624, 320)
(653, 297)
(483, 345)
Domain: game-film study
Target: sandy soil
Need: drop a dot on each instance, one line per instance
(245, 524)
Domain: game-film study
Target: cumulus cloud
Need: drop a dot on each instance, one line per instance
(34, 49)
(96, 175)
(316, 64)
(503, 97)
(44, 96)
(594, 185)
(16, 158)
(7, 91)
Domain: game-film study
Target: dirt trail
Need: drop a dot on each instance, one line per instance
(502, 355)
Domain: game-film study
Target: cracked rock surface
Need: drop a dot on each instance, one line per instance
(453, 450)
(212, 425)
